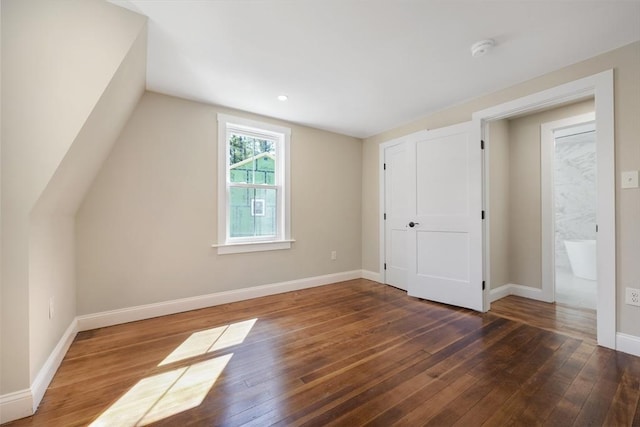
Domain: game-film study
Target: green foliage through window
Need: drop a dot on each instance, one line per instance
(242, 147)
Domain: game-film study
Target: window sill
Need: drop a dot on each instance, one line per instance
(236, 248)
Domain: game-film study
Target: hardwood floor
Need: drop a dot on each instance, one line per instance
(574, 321)
(348, 354)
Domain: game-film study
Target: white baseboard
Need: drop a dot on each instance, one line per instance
(517, 290)
(147, 311)
(527, 292)
(16, 405)
(24, 403)
(499, 292)
(371, 275)
(48, 370)
(628, 343)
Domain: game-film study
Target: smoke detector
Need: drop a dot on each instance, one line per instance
(480, 48)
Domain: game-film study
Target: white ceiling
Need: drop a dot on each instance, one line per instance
(361, 67)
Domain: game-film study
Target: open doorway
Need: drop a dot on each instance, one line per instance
(542, 201)
(569, 209)
(527, 269)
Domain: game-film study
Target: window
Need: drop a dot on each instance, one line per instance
(253, 190)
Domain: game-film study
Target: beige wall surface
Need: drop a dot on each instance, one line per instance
(497, 146)
(525, 221)
(58, 59)
(145, 230)
(52, 230)
(626, 64)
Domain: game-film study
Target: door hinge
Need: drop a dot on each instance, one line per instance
(482, 215)
(483, 285)
(596, 228)
(385, 265)
(385, 216)
(482, 144)
(384, 166)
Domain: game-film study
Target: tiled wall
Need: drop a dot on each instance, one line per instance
(575, 191)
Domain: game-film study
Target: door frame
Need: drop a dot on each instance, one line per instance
(547, 199)
(600, 87)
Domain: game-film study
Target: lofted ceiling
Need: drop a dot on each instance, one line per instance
(359, 67)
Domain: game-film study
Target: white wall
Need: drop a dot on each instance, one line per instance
(58, 68)
(145, 229)
(626, 64)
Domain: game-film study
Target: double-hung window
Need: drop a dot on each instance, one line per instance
(253, 190)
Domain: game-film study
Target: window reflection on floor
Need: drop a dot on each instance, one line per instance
(182, 387)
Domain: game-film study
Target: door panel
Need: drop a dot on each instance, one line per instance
(442, 176)
(445, 243)
(397, 201)
(435, 260)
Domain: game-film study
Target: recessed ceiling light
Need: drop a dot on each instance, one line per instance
(480, 48)
(282, 97)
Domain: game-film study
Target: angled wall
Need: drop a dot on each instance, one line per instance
(72, 71)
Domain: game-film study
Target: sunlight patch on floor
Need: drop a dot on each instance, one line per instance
(210, 340)
(163, 395)
(177, 390)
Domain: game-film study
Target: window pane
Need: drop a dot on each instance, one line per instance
(251, 160)
(252, 212)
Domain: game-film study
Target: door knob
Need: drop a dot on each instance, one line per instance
(413, 224)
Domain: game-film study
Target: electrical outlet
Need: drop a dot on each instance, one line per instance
(629, 179)
(334, 255)
(633, 296)
(51, 308)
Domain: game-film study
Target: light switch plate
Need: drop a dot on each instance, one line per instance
(629, 179)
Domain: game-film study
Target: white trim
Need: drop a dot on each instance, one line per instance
(499, 292)
(16, 405)
(526, 292)
(517, 290)
(48, 370)
(485, 137)
(547, 199)
(628, 343)
(265, 128)
(24, 403)
(242, 247)
(371, 275)
(382, 250)
(606, 210)
(147, 311)
(600, 86)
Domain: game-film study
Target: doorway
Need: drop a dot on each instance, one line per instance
(568, 162)
(600, 88)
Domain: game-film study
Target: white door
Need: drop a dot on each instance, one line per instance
(396, 206)
(444, 251)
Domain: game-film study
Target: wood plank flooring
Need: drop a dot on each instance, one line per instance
(573, 321)
(349, 354)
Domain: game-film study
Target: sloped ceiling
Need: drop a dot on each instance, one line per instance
(362, 67)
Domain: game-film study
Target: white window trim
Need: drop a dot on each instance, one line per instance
(283, 240)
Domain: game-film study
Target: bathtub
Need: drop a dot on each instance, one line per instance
(582, 257)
